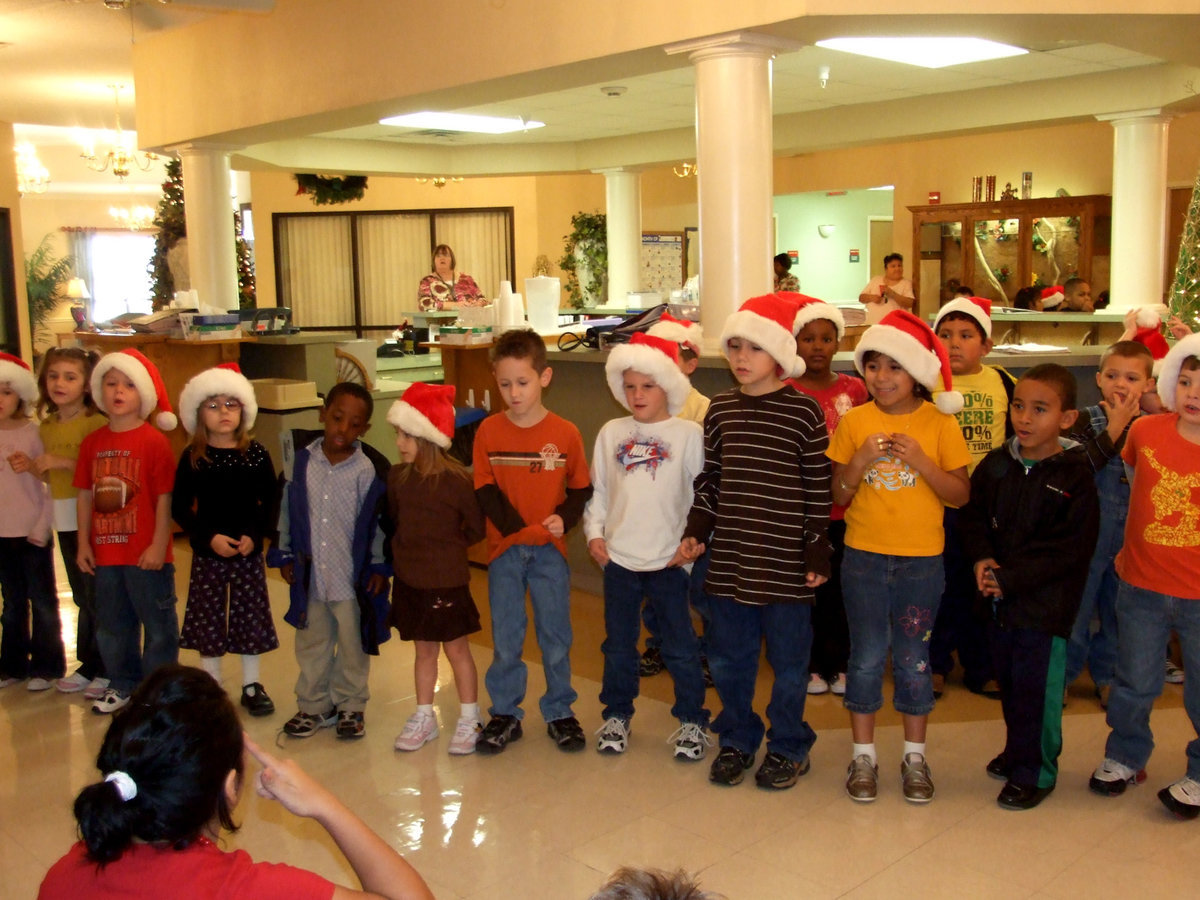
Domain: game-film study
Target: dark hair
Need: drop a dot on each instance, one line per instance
(1130, 350)
(178, 740)
(354, 390)
(87, 360)
(1026, 296)
(628, 883)
(1190, 364)
(919, 390)
(1101, 301)
(1057, 377)
(784, 260)
(438, 251)
(521, 343)
(963, 317)
(963, 291)
(887, 259)
(686, 353)
(1071, 282)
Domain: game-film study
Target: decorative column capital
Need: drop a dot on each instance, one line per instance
(619, 170)
(734, 43)
(1153, 115)
(204, 148)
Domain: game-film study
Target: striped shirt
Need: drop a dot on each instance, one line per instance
(335, 496)
(764, 496)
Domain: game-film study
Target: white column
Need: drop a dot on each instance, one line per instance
(1139, 207)
(208, 210)
(623, 224)
(734, 154)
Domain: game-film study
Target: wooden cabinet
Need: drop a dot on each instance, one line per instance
(998, 248)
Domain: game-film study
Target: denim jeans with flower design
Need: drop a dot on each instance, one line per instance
(890, 600)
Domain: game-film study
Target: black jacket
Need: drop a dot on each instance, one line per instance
(1040, 526)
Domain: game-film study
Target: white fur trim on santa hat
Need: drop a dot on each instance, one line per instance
(649, 360)
(688, 334)
(406, 417)
(425, 411)
(812, 309)
(130, 364)
(17, 374)
(967, 307)
(778, 341)
(217, 382)
(1172, 363)
(1151, 316)
(929, 367)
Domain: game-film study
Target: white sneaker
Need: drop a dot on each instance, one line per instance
(817, 684)
(8, 681)
(466, 734)
(72, 684)
(613, 736)
(418, 731)
(112, 701)
(691, 741)
(1182, 798)
(96, 688)
(1111, 778)
(838, 685)
(39, 684)
(1174, 674)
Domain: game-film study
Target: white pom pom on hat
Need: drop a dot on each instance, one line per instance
(768, 321)
(224, 380)
(425, 411)
(16, 372)
(152, 393)
(912, 343)
(650, 355)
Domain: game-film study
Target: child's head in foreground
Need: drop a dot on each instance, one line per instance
(18, 389)
(424, 421)
(820, 329)
(964, 325)
(759, 340)
(688, 335)
(901, 359)
(644, 377)
(218, 402)
(1042, 407)
(521, 371)
(1126, 367)
(1179, 380)
(346, 416)
(64, 379)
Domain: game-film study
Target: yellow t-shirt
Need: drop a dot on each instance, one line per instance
(984, 413)
(895, 511)
(694, 407)
(63, 439)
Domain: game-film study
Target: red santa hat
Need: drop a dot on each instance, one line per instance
(912, 343)
(16, 372)
(1168, 375)
(146, 379)
(1052, 296)
(650, 355)
(977, 308)
(425, 411)
(812, 309)
(1147, 324)
(770, 322)
(225, 380)
(681, 331)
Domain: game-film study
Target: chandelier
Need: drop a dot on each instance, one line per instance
(122, 156)
(687, 170)
(438, 180)
(135, 218)
(32, 176)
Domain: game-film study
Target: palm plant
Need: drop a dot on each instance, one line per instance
(46, 278)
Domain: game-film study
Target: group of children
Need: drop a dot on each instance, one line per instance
(800, 513)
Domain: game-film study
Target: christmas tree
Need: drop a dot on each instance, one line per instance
(1185, 292)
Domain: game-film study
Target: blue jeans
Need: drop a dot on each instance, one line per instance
(738, 630)
(666, 591)
(1099, 650)
(31, 644)
(128, 601)
(699, 602)
(890, 600)
(1144, 620)
(542, 571)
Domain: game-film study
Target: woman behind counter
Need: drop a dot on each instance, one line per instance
(888, 291)
(441, 290)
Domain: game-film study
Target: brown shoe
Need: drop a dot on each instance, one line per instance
(862, 779)
(916, 779)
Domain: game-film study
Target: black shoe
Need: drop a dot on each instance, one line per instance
(651, 663)
(1182, 798)
(498, 734)
(256, 701)
(998, 768)
(730, 766)
(989, 689)
(1018, 796)
(351, 725)
(567, 733)
(708, 682)
(779, 772)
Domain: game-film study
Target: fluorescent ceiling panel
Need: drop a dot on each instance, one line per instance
(443, 121)
(928, 52)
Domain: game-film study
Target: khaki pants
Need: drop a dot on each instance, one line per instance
(333, 666)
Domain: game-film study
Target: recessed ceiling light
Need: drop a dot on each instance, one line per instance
(927, 52)
(461, 122)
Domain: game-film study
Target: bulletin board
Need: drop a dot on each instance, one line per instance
(664, 262)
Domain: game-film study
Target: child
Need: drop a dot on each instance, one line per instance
(764, 497)
(331, 552)
(125, 474)
(1029, 530)
(642, 473)
(821, 329)
(70, 415)
(26, 551)
(897, 462)
(1159, 567)
(531, 479)
(431, 499)
(1124, 376)
(965, 327)
(225, 494)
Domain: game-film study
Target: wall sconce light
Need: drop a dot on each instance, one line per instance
(687, 170)
(439, 181)
(826, 230)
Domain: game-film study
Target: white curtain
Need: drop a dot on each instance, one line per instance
(480, 241)
(318, 280)
(392, 260)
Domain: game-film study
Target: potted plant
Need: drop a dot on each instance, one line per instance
(585, 259)
(46, 278)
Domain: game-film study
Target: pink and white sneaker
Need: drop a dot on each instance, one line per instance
(419, 730)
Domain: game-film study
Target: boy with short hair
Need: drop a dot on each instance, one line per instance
(964, 325)
(764, 496)
(1159, 566)
(643, 468)
(531, 478)
(125, 474)
(1125, 374)
(1028, 529)
(332, 552)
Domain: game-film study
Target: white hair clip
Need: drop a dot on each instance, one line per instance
(126, 787)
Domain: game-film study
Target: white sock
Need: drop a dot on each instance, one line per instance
(425, 709)
(470, 711)
(249, 669)
(913, 747)
(212, 665)
(867, 750)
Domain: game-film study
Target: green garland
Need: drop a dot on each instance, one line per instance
(327, 191)
(589, 233)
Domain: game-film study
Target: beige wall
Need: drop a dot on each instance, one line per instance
(10, 199)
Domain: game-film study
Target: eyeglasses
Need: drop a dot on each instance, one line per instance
(213, 405)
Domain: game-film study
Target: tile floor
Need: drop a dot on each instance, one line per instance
(537, 823)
